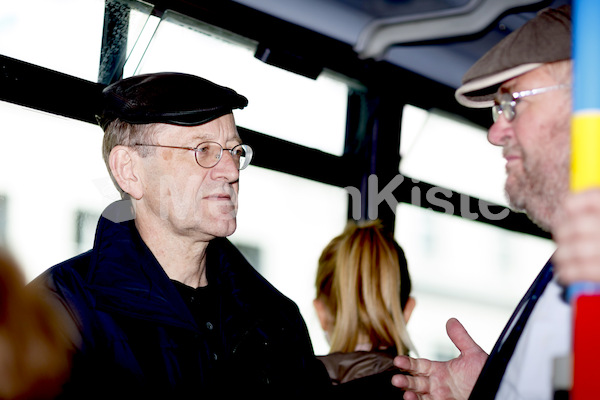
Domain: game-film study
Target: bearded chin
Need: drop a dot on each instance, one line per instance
(515, 192)
(538, 203)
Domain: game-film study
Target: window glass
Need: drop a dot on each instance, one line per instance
(63, 35)
(464, 269)
(56, 171)
(460, 268)
(131, 26)
(444, 150)
(282, 104)
(85, 229)
(290, 220)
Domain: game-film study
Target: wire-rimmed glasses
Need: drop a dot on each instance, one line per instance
(506, 103)
(208, 154)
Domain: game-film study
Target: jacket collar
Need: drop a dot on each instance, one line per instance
(126, 278)
(344, 367)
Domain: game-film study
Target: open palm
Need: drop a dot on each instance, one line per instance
(436, 380)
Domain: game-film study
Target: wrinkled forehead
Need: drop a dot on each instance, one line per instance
(221, 130)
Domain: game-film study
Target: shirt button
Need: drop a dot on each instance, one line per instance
(209, 326)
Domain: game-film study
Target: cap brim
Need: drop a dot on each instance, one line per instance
(480, 93)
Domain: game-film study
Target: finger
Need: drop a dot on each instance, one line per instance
(578, 270)
(400, 381)
(460, 337)
(416, 366)
(584, 226)
(410, 396)
(578, 259)
(404, 362)
(409, 383)
(578, 225)
(588, 200)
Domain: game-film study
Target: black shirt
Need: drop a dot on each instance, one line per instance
(203, 302)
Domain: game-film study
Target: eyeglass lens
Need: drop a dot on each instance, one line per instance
(209, 154)
(505, 107)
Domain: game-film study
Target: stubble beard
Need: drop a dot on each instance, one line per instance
(538, 192)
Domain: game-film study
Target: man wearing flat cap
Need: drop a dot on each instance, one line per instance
(164, 306)
(526, 80)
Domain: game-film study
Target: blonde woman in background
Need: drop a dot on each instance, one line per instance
(363, 303)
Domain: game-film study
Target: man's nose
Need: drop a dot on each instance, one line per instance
(227, 167)
(500, 131)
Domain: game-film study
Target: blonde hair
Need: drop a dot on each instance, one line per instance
(363, 279)
(121, 133)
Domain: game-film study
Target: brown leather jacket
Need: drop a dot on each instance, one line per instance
(344, 367)
(362, 372)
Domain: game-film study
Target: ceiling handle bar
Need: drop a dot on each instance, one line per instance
(471, 18)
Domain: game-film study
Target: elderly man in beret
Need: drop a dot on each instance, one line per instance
(526, 80)
(163, 305)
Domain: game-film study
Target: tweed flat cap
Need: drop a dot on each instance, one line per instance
(543, 39)
(167, 97)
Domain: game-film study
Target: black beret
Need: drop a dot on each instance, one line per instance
(167, 97)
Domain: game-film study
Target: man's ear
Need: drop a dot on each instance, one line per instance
(122, 165)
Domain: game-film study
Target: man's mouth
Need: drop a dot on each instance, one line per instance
(218, 196)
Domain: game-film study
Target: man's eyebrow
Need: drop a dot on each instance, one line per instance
(203, 136)
(209, 137)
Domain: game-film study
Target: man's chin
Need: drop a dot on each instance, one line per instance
(516, 200)
(517, 205)
(532, 207)
(224, 227)
(220, 219)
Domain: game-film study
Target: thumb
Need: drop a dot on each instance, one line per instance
(460, 337)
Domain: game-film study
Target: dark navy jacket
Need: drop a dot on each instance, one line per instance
(136, 338)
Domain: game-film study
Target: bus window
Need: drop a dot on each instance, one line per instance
(444, 150)
(464, 269)
(65, 36)
(290, 220)
(56, 172)
(281, 104)
(460, 268)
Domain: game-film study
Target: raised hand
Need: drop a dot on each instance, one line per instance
(435, 380)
